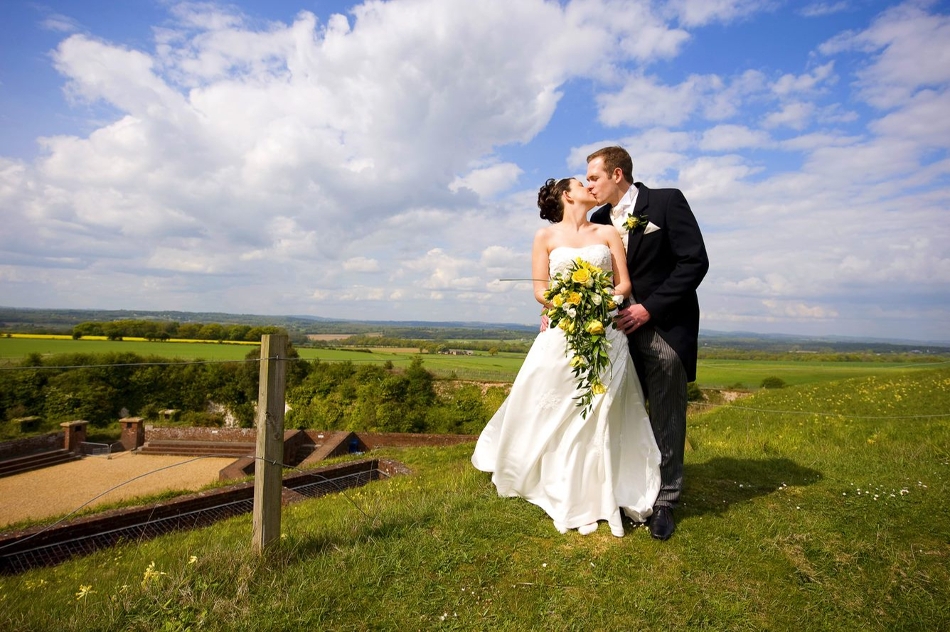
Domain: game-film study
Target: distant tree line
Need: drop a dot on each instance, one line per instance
(826, 355)
(433, 346)
(326, 396)
(166, 329)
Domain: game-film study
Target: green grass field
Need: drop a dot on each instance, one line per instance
(816, 507)
(482, 367)
(501, 367)
(750, 373)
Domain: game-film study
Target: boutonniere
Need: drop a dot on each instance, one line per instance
(634, 222)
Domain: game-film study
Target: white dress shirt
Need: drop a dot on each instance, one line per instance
(618, 214)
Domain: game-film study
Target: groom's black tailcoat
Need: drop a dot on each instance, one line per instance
(666, 266)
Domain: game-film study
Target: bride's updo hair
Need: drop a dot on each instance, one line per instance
(549, 199)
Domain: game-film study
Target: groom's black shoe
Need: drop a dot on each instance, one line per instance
(661, 523)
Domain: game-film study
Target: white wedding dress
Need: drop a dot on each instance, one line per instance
(538, 447)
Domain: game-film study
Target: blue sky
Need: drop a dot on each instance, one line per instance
(381, 160)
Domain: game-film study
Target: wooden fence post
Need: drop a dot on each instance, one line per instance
(268, 466)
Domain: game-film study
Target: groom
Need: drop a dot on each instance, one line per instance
(667, 261)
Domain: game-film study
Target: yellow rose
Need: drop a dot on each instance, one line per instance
(597, 388)
(558, 300)
(574, 298)
(595, 328)
(581, 276)
(577, 361)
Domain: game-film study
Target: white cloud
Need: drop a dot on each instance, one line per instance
(643, 101)
(361, 264)
(795, 115)
(700, 12)
(60, 23)
(793, 84)
(798, 310)
(818, 9)
(488, 181)
(732, 137)
(910, 48)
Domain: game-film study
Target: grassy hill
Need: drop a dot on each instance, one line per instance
(816, 507)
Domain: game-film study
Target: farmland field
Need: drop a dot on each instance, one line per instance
(480, 366)
(12, 349)
(750, 373)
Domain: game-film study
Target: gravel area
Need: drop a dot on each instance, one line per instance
(60, 489)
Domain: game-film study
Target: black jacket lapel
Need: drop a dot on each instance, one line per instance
(639, 208)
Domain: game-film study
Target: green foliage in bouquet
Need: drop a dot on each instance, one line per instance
(581, 300)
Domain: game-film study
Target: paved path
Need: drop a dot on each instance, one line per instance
(57, 490)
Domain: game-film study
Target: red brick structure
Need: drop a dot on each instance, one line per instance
(75, 434)
(133, 432)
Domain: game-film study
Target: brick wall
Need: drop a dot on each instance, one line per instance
(188, 433)
(31, 445)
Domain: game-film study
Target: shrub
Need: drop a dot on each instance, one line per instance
(773, 382)
(693, 393)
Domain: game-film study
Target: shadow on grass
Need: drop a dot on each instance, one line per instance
(714, 486)
(362, 529)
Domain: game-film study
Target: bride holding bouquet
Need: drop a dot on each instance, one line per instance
(573, 436)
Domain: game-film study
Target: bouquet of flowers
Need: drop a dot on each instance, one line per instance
(581, 300)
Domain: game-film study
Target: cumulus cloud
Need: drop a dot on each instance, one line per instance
(488, 181)
(374, 162)
(239, 148)
(909, 52)
(732, 137)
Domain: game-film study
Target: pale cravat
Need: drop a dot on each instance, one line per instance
(618, 214)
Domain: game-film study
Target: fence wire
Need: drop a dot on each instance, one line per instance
(148, 528)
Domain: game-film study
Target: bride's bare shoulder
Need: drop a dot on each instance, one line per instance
(544, 234)
(606, 232)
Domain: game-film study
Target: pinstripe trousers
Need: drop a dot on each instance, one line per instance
(664, 383)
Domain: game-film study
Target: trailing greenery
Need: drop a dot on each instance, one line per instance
(812, 508)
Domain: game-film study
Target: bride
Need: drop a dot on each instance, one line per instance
(538, 446)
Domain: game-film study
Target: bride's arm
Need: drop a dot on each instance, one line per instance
(618, 258)
(539, 266)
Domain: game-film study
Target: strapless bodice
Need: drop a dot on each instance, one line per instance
(560, 258)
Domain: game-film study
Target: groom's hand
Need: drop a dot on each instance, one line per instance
(631, 317)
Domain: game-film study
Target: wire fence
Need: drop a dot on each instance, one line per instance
(17, 556)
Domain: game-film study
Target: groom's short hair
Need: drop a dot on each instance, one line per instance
(615, 158)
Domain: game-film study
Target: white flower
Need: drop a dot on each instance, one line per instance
(595, 299)
(618, 299)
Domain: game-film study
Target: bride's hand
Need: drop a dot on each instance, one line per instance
(544, 322)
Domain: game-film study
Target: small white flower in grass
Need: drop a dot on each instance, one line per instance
(905, 491)
(193, 559)
(544, 565)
